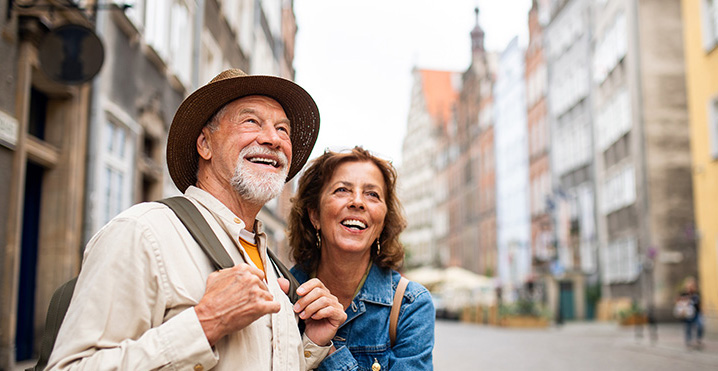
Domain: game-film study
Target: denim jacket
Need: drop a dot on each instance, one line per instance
(364, 338)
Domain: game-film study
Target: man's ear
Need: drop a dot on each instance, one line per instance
(314, 218)
(203, 146)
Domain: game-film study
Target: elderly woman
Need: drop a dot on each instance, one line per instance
(344, 230)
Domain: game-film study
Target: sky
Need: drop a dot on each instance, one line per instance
(355, 58)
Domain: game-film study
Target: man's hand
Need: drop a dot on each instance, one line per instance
(321, 311)
(235, 297)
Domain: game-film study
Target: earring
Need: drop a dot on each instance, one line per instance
(319, 241)
(378, 247)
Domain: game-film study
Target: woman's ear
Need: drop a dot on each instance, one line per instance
(314, 218)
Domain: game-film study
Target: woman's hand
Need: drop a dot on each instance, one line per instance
(321, 311)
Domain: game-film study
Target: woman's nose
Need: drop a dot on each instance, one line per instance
(357, 201)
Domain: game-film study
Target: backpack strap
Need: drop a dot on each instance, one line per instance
(200, 230)
(55, 314)
(197, 226)
(394, 316)
(293, 283)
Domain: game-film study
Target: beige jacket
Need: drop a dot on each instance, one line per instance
(133, 307)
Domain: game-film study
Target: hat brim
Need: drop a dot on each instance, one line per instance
(200, 106)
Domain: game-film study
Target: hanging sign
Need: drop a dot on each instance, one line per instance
(71, 54)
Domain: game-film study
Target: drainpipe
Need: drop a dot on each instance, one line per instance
(197, 43)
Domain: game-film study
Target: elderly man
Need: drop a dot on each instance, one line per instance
(147, 297)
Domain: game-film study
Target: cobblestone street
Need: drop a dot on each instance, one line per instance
(573, 346)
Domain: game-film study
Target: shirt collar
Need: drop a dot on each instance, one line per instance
(233, 225)
(218, 209)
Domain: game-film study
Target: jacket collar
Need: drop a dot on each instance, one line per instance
(377, 287)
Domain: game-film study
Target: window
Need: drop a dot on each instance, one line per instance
(610, 49)
(171, 36)
(619, 190)
(620, 261)
(157, 27)
(212, 60)
(709, 15)
(180, 47)
(713, 127)
(117, 174)
(613, 120)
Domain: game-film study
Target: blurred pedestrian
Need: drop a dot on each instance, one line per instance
(694, 317)
(344, 230)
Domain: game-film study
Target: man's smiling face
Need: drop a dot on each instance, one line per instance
(251, 147)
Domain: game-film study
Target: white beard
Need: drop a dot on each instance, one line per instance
(259, 187)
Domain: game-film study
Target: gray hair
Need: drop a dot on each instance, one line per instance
(213, 123)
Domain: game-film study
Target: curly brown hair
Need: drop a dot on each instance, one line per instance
(302, 234)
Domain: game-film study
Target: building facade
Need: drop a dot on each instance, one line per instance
(76, 155)
(567, 51)
(44, 144)
(700, 37)
(642, 154)
(512, 172)
(422, 189)
(540, 188)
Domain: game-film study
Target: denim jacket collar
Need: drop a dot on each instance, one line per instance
(377, 288)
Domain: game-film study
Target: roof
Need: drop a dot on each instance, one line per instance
(440, 93)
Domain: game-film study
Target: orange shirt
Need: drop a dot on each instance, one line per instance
(253, 253)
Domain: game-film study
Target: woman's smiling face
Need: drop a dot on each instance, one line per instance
(352, 207)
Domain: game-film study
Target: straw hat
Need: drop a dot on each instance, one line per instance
(198, 108)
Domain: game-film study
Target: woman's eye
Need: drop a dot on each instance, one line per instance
(341, 189)
(374, 195)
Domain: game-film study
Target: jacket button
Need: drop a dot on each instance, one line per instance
(237, 220)
(198, 367)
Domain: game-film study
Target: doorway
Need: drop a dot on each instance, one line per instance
(25, 329)
(566, 301)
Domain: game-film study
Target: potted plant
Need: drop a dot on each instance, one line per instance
(634, 315)
(523, 313)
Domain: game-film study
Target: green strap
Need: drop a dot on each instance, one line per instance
(208, 241)
(55, 314)
(200, 230)
(293, 283)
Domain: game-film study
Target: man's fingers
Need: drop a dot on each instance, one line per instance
(243, 267)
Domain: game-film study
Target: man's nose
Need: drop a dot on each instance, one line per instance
(269, 136)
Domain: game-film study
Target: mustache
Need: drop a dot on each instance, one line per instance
(256, 150)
